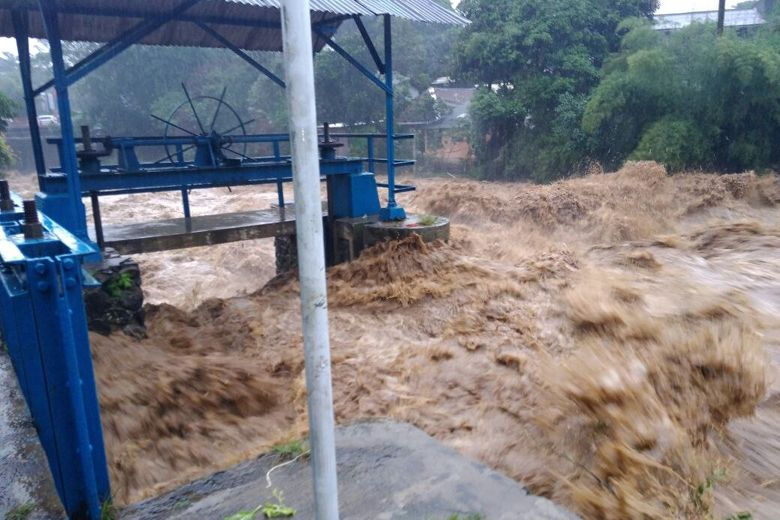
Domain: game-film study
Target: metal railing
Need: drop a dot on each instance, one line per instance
(126, 151)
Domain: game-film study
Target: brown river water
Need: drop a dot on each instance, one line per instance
(610, 341)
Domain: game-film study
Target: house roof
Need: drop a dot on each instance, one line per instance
(247, 24)
(733, 18)
(459, 99)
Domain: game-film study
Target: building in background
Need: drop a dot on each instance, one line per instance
(442, 144)
(743, 19)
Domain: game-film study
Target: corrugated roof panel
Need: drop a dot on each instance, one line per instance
(432, 11)
(379, 7)
(242, 22)
(339, 6)
(417, 10)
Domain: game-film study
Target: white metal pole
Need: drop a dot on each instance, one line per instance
(299, 70)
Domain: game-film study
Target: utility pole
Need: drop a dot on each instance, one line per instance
(299, 70)
(721, 15)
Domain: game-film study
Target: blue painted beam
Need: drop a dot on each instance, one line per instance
(44, 326)
(174, 178)
(369, 44)
(183, 140)
(393, 211)
(397, 137)
(359, 66)
(241, 54)
(21, 30)
(71, 209)
(399, 188)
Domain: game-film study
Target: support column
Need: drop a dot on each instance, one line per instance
(21, 30)
(392, 211)
(72, 216)
(299, 71)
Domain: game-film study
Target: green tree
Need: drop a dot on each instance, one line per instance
(421, 53)
(537, 62)
(7, 109)
(690, 100)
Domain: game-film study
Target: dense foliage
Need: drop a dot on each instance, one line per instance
(6, 113)
(690, 100)
(537, 62)
(569, 82)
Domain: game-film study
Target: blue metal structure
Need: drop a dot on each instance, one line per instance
(212, 167)
(107, 21)
(41, 254)
(44, 329)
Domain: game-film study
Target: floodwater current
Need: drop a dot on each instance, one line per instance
(610, 341)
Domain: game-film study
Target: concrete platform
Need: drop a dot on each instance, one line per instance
(428, 227)
(178, 233)
(387, 471)
(25, 481)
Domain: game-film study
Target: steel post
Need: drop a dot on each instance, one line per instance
(299, 71)
(98, 220)
(76, 219)
(185, 201)
(68, 383)
(21, 26)
(279, 180)
(370, 146)
(392, 211)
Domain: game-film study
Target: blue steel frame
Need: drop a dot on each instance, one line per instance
(130, 175)
(71, 211)
(44, 327)
(20, 22)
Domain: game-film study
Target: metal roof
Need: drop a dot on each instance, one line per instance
(733, 18)
(248, 24)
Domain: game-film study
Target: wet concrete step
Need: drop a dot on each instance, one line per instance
(25, 481)
(387, 471)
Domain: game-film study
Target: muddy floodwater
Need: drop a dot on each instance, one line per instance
(610, 341)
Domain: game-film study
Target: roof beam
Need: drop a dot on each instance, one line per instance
(241, 54)
(130, 13)
(347, 56)
(369, 44)
(116, 46)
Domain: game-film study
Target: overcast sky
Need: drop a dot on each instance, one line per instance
(667, 6)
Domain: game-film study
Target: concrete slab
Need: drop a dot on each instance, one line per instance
(25, 481)
(387, 471)
(177, 233)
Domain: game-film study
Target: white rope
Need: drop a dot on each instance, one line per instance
(268, 475)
